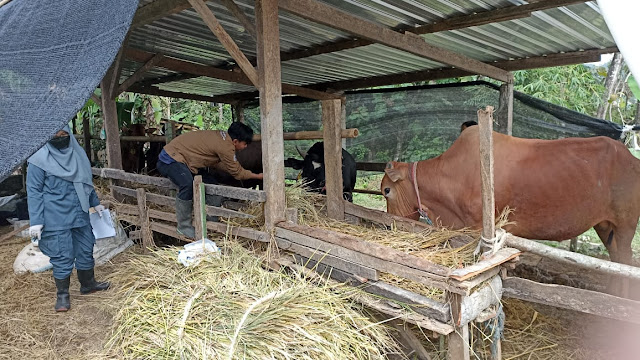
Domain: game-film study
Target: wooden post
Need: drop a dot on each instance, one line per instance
(170, 131)
(343, 119)
(145, 225)
(458, 344)
(238, 112)
(270, 86)
(504, 113)
(485, 122)
(331, 123)
(199, 210)
(86, 133)
(110, 119)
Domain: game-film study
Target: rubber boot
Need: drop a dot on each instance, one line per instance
(213, 200)
(62, 295)
(184, 208)
(88, 283)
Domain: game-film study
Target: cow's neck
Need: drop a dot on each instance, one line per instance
(432, 192)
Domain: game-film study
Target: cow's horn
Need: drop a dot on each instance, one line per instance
(302, 153)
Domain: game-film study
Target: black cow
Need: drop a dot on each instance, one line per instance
(313, 170)
(250, 158)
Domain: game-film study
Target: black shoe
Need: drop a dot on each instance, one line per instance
(88, 283)
(62, 295)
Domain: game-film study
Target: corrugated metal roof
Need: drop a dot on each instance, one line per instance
(185, 36)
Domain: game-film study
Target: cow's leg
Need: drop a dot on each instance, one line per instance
(617, 240)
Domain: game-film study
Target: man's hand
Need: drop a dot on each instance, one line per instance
(99, 209)
(258, 176)
(35, 231)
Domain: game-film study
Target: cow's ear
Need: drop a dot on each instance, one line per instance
(394, 174)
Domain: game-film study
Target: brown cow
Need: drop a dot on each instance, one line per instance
(557, 188)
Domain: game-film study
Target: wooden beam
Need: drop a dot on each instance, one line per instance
(312, 135)
(241, 16)
(270, 88)
(225, 39)
(145, 225)
(330, 16)
(575, 259)
(246, 233)
(566, 297)
(157, 10)
(502, 256)
(236, 192)
(199, 215)
(176, 95)
(459, 345)
(504, 114)
(559, 59)
(331, 124)
(182, 66)
(139, 73)
(492, 16)
(385, 218)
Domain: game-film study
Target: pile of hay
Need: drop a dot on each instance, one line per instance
(229, 307)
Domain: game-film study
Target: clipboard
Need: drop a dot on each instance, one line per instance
(102, 226)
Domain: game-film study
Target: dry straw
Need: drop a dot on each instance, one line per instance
(229, 307)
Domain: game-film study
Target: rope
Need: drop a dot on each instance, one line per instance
(494, 243)
(412, 175)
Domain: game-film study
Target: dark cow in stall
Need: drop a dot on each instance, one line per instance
(313, 170)
(250, 158)
(558, 189)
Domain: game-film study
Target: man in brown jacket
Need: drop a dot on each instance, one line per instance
(184, 155)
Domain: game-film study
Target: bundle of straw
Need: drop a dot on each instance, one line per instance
(228, 307)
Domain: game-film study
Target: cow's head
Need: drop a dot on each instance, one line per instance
(313, 171)
(399, 192)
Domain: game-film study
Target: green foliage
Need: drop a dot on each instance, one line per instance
(576, 87)
(203, 114)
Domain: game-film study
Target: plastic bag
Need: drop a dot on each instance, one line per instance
(195, 251)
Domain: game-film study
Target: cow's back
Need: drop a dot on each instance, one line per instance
(556, 188)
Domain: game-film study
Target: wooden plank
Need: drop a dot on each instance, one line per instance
(268, 53)
(459, 345)
(357, 257)
(575, 259)
(156, 10)
(492, 16)
(335, 18)
(368, 248)
(566, 297)
(485, 123)
(225, 39)
(385, 218)
(170, 201)
(480, 300)
(239, 231)
(139, 73)
(471, 283)
(503, 255)
(312, 135)
(145, 226)
(119, 174)
(241, 16)
(363, 166)
(331, 124)
(327, 259)
(381, 305)
(397, 296)
(238, 193)
(504, 113)
(13, 233)
(199, 215)
(409, 339)
(168, 230)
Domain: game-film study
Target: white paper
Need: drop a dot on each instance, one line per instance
(102, 226)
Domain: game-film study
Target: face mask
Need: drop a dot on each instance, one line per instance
(60, 143)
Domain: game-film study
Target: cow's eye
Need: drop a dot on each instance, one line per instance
(387, 191)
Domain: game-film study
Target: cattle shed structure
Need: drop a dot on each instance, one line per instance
(236, 51)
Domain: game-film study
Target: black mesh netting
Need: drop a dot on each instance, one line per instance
(416, 123)
(53, 55)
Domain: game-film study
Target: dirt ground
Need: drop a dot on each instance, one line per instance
(30, 329)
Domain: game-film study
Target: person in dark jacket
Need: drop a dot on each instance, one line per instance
(59, 194)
